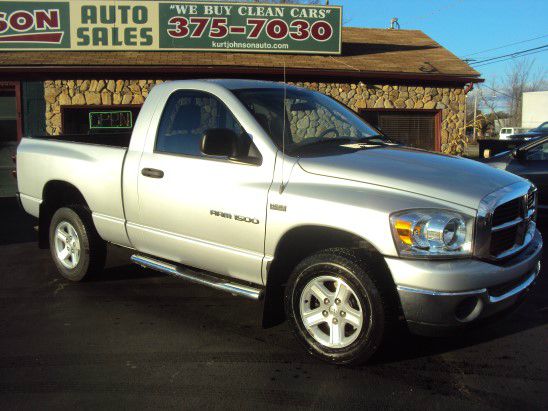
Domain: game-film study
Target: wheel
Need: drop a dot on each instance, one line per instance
(335, 308)
(76, 248)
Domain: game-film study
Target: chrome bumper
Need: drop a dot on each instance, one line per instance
(495, 288)
(445, 309)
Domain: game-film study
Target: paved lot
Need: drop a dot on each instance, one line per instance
(133, 338)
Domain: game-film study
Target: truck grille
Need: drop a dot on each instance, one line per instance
(510, 224)
(531, 200)
(508, 212)
(503, 240)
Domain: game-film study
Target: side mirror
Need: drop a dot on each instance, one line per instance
(518, 154)
(220, 142)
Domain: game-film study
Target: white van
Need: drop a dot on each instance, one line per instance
(506, 132)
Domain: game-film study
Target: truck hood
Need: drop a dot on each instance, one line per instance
(455, 179)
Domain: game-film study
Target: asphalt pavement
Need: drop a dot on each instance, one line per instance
(133, 338)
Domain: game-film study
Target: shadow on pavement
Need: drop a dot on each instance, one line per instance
(408, 346)
(118, 269)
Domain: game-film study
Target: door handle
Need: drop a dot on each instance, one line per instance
(152, 173)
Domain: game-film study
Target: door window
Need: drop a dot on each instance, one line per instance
(187, 115)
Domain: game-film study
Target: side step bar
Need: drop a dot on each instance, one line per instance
(198, 277)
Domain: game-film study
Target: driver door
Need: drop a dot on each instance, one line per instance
(202, 211)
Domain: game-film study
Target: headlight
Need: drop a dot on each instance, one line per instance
(432, 233)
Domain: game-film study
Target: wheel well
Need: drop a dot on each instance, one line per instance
(293, 247)
(56, 194)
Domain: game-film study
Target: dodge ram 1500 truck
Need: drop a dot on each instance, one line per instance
(281, 194)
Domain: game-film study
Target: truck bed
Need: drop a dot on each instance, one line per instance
(93, 168)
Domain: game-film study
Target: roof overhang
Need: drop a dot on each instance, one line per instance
(173, 71)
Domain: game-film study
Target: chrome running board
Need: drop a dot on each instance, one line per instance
(198, 277)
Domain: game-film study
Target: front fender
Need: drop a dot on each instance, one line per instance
(358, 208)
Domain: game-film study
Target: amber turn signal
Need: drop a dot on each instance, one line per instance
(403, 229)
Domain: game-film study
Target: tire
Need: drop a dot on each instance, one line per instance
(72, 232)
(334, 332)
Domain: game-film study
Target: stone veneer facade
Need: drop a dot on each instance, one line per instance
(451, 101)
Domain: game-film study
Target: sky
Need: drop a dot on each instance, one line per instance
(463, 26)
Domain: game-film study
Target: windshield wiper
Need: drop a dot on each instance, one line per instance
(373, 140)
(377, 139)
(327, 141)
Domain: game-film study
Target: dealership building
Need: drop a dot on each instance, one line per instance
(401, 81)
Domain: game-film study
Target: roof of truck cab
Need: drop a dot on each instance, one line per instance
(236, 84)
(366, 53)
(230, 84)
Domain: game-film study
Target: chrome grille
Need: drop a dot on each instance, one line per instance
(503, 240)
(532, 200)
(505, 223)
(507, 212)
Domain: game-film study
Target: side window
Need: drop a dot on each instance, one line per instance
(187, 115)
(538, 153)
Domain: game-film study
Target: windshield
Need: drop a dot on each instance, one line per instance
(309, 118)
(542, 127)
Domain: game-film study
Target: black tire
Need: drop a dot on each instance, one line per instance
(92, 254)
(362, 275)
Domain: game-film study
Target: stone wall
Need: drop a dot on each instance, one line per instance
(107, 92)
(451, 101)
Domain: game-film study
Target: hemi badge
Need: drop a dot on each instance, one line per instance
(278, 207)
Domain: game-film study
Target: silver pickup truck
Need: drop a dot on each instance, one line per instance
(281, 194)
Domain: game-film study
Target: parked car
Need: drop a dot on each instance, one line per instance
(506, 132)
(274, 192)
(540, 131)
(529, 161)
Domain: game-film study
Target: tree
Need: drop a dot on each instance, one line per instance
(500, 100)
(520, 78)
(489, 116)
(490, 100)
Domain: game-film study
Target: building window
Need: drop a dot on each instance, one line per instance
(413, 128)
(8, 116)
(8, 138)
(98, 119)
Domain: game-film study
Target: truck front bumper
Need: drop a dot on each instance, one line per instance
(438, 296)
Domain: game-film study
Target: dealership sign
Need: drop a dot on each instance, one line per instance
(164, 26)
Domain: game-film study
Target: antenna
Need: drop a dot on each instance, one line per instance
(282, 185)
